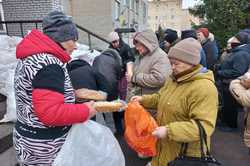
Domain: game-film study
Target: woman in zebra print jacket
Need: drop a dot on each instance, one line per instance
(44, 94)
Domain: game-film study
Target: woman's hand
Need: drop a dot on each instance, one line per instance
(129, 72)
(129, 76)
(160, 132)
(92, 111)
(136, 98)
(245, 83)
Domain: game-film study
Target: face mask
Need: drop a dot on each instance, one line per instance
(233, 45)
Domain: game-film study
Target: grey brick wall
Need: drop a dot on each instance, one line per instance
(27, 10)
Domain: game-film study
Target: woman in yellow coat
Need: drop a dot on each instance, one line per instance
(189, 94)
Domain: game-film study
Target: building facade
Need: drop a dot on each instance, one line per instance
(103, 16)
(169, 14)
(16, 10)
(98, 16)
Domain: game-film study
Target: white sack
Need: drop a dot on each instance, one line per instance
(90, 144)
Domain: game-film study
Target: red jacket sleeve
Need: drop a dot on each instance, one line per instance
(51, 110)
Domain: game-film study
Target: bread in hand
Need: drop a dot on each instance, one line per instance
(105, 106)
(89, 94)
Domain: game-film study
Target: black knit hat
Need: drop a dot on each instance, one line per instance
(188, 33)
(170, 35)
(59, 27)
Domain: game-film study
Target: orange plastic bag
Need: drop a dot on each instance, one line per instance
(139, 125)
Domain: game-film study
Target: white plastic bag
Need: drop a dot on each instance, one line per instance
(83, 52)
(8, 64)
(90, 144)
(7, 89)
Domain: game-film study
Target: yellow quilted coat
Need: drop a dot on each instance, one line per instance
(178, 103)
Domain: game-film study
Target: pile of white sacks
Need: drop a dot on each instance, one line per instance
(7, 69)
(8, 64)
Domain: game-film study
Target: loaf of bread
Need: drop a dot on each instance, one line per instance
(105, 106)
(89, 94)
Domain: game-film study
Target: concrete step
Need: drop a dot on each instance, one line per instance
(2, 108)
(6, 136)
(7, 154)
(8, 158)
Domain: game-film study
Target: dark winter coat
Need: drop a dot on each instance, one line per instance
(203, 60)
(82, 75)
(109, 65)
(235, 65)
(126, 56)
(211, 52)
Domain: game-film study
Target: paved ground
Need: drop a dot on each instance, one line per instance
(228, 148)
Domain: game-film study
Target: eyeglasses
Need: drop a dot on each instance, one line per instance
(115, 41)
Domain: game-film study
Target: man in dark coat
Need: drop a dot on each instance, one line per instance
(82, 75)
(109, 65)
(231, 68)
(209, 46)
(124, 51)
(127, 58)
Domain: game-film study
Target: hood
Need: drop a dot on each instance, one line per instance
(75, 64)
(148, 39)
(113, 53)
(36, 42)
(198, 73)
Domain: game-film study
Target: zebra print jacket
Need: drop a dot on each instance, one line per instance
(44, 94)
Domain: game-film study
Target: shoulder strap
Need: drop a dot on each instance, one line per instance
(203, 140)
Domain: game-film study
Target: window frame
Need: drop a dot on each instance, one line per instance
(3, 29)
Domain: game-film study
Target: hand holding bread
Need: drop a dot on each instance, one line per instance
(91, 107)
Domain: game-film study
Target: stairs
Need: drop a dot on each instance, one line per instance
(7, 153)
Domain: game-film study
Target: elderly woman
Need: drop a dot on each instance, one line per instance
(44, 94)
(151, 67)
(188, 95)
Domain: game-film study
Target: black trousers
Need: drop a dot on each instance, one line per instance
(118, 120)
(230, 109)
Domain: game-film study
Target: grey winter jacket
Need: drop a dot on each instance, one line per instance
(150, 71)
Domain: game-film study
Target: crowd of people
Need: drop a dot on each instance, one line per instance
(178, 80)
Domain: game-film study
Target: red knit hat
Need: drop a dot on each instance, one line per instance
(204, 31)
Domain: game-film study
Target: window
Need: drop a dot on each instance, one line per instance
(126, 2)
(144, 7)
(117, 9)
(132, 5)
(137, 6)
(2, 26)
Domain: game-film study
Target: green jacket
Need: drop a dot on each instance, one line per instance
(178, 103)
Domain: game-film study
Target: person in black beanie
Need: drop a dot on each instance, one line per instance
(192, 33)
(170, 39)
(188, 33)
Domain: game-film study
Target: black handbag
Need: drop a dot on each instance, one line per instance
(205, 159)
